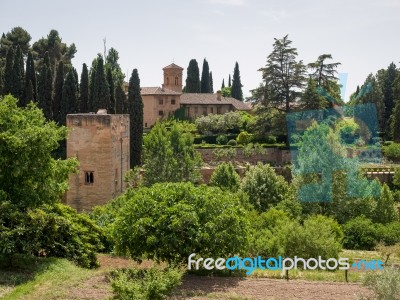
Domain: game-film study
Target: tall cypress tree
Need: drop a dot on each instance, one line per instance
(223, 84)
(193, 78)
(69, 98)
(211, 83)
(30, 81)
(387, 89)
(101, 92)
(110, 81)
(236, 91)
(396, 111)
(8, 72)
(92, 81)
(120, 100)
(18, 75)
(84, 90)
(229, 81)
(45, 88)
(136, 118)
(58, 116)
(205, 78)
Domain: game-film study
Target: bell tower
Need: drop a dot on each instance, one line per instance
(173, 77)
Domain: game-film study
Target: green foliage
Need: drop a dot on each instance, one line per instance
(205, 78)
(225, 177)
(84, 90)
(111, 86)
(18, 74)
(244, 138)
(236, 90)
(169, 155)
(396, 178)
(231, 121)
(167, 222)
(232, 143)
(226, 92)
(385, 211)
(151, 284)
(360, 233)
(101, 90)
(225, 153)
(26, 143)
(69, 99)
(211, 83)
(58, 105)
(222, 139)
(56, 230)
(264, 187)
(384, 285)
(45, 89)
(250, 150)
(193, 78)
(392, 151)
(120, 100)
(136, 118)
(17, 36)
(30, 89)
(8, 72)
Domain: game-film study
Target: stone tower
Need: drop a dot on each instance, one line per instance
(173, 78)
(101, 144)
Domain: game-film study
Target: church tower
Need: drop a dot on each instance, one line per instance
(173, 78)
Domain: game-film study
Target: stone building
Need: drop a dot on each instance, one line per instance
(100, 142)
(164, 101)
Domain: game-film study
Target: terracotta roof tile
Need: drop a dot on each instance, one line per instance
(197, 98)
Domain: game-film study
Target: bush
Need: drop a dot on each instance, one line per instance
(360, 234)
(225, 177)
(392, 151)
(231, 121)
(264, 187)
(244, 138)
(396, 178)
(385, 285)
(222, 139)
(250, 150)
(270, 139)
(167, 222)
(151, 284)
(225, 153)
(232, 143)
(52, 231)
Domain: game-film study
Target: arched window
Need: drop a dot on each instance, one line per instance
(176, 80)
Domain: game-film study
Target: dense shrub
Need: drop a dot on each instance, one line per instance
(385, 211)
(167, 222)
(225, 177)
(222, 139)
(264, 187)
(151, 284)
(385, 285)
(360, 233)
(244, 138)
(231, 121)
(250, 150)
(57, 231)
(232, 143)
(225, 153)
(392, 151)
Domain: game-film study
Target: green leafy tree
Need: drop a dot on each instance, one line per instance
(101, 91)
(18, 75)
(237, 84)
(264, 187)
(136, 118)
(30, 88)
(205, 78)
(226, 92)
(69, 99)
(385, 211)
(25, 156)
(113, 64)
(92, 81)
(395, 118)
(120, 100)
(8, 72)
(58, 113)
(110, 81)
(16, 37)
(311, 99)
(360, 234)
(225, 177)
(388, 95)
(192, 79)
(211, 83)
(84, 90)
(169, 155)
(323, 72)
(167, 222)
(45, 89)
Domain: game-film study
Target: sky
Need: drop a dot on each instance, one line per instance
(360, 34)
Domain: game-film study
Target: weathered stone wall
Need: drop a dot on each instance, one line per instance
(101, 144)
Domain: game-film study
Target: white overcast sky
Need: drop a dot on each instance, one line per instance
(361, 34)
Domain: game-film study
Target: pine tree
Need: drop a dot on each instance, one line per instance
(110, 80)
(58, 115)
(229, 81)
(8, 72)
(387, 89)
(192, 79)
(205, 78)
(18, 75)
(223, 84)
(30, 81)
(385, 211)
(136, 118)
(311, 99)
(236, 90)
(211, 84)
(101, 92)
(69, 98)
(84, 90)
(120, 100)
(45, 88)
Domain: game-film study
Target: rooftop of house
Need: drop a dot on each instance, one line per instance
(212, 99)
(173, 66)
(157, 91)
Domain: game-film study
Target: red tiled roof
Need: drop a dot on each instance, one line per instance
(197, 98)
(157, 91)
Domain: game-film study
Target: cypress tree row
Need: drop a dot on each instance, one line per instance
(30, 81)
(18, 75)
(396, 111)
(8, 72)
(211, 83)
(84, 90)
(229, 81)
(205, 78)
(236, 91)
(120, 100)
(69, 98)
(193, 78)
(110, 80)
(101, 92)
(45, 88)
(136, 118)
(58, 116)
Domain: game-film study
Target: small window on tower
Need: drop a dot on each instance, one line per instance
(160, 101)
(160, 113)
(172, 101)
(89, 178)
(176, 81)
